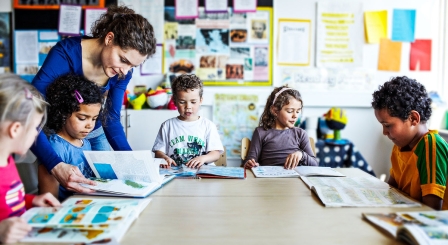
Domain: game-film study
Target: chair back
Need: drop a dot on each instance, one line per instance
(313, 145)
(245, 144)
(222, 161)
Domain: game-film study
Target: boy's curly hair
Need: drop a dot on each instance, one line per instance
(186, 82)
(267, 119)
(62, 100)
(400, 96)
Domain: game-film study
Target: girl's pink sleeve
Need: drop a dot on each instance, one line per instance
(29, 201)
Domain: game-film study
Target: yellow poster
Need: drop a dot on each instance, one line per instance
(375, 25)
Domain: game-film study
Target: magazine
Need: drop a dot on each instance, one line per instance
(206, 171)
(125, 173)
(281, 172)
(357, 192)
(83, 220)
(428, 227)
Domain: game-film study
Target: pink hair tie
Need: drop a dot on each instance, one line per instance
(278, 93)
(78, 97)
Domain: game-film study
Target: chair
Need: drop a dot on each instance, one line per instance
(222, 161)
(245, 144)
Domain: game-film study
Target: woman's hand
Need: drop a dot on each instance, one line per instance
(293, 160)
(46, 200)
(70, 177)
(251, 164)
(13, 229)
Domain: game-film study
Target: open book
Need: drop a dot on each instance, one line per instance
(206, 171)
(83, 220)
(430, 227)
(357, 192)
(125, 173)
(281, 172)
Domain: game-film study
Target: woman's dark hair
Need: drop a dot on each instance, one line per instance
(267, 119)
(63, 100)
(400, 96)
(131, 30)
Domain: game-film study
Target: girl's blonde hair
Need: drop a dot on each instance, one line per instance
(19, 100)
(267, 119)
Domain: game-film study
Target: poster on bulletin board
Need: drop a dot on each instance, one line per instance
(223, 49)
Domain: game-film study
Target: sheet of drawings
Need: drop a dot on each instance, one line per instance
(236, 116)
(274, 172)
(357, 192)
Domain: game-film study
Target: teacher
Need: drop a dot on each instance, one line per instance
(121, 41)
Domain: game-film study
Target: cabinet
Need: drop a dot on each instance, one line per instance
(141, 126)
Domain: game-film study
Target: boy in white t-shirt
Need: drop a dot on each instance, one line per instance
(188, 139)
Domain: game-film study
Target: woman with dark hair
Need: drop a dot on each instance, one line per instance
(121, 40)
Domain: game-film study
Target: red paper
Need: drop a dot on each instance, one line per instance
(420, 59)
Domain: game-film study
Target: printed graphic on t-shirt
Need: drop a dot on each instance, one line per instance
(195, 147)
(15, 198)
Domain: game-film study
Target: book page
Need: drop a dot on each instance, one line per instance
(78, 233)
(414, 226)
(123, 187)
(317, 171)
(273, 172)
(226, 172)
(125, 165)
(357, 192)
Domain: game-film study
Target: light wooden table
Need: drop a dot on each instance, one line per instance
(251, 211)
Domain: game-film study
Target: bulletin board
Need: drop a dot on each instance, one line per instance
(352, 85)
(223, 49)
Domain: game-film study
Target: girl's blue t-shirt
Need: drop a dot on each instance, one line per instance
(64, 58)
(73, 155)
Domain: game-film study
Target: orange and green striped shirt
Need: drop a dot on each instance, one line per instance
(423, 170)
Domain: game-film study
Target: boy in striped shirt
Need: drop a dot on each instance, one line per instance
(419, 156)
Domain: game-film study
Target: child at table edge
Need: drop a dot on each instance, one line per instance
(419, 156)
(277, 142)
(22, 113)
(188, 138)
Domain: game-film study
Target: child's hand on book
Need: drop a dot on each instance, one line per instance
(196, 162)
(293, 160)
(13, 229)
(46, 200)
(251, 163)
(168, 161)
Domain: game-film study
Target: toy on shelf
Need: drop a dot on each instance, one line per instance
(157, 99)
(137, 101)
(336, 119)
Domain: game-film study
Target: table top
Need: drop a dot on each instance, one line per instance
(251, 211)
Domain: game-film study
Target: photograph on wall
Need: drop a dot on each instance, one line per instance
(54, 4)
(212, 41)
(5, 43)
(218, 48)
(212, 20)
(258, 26)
